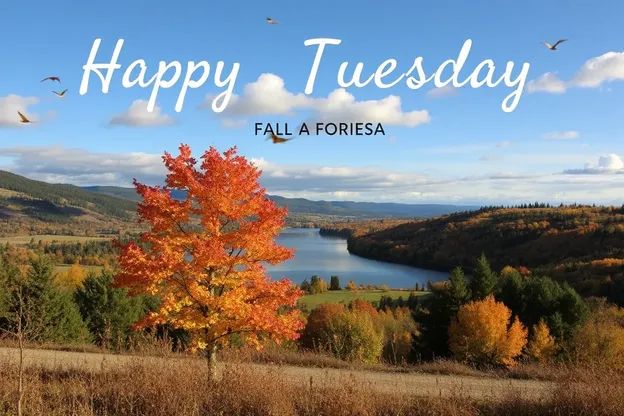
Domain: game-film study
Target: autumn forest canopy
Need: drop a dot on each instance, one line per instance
(581, 245)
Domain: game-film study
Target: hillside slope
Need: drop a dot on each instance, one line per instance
(582, 245)
(27, 205)
(334, 208)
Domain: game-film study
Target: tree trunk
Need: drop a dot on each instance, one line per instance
(212, 361)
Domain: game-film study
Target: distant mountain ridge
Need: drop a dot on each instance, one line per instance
(26, 197)
(336, 208)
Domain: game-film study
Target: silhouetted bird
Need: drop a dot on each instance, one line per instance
(52, 79)
(277, 139)
(554, 47)
(23, 118)
(60, 94)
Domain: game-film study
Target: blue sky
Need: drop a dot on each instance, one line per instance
(549, 148)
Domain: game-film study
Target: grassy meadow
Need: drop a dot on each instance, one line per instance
(143, 385)
(346, 296)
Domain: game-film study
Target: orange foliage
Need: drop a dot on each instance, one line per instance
(361, 305)
(203, 255)
(481, 333)
(315, 335)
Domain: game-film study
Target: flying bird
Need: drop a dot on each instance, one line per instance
(553, 47)
(52, 79)
(271, 21)
(60, 94)
(277, 139)
(23, 118)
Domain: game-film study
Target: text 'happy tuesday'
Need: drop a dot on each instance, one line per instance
(220, 102)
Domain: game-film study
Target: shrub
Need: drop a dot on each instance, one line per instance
(541, 347)
(481, 334)
(601, 339)
(354, 337)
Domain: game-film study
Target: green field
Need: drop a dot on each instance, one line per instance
(25, 239)
(346, 296)
(65, 267)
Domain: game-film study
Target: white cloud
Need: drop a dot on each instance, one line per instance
(269, 96)
(596, 71)
(233, 123)
(10, 105)
(548, 82)
(504, 143)
(562, 135)
(81, 167)
(138, 116)
(608, 164)
(446, 91)
(593, 74)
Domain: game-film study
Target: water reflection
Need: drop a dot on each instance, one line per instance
(328, 255)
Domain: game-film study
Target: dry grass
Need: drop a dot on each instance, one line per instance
(182, 387)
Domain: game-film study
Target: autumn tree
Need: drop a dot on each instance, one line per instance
(601, 338)
(317, 285)
(72, 278)
(541, 346)
(203, 255)
(482, 334)
(315, 336)
(399, 329)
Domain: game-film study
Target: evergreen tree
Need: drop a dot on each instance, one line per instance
(305, 286)
(52, 315)
(458, 289)
(438, 310)
(483, 280)
(55, 311)
(511, 290)
(109, 312)
(561, 307)
(334, 283)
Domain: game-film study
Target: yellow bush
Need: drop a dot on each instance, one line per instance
(542, 345)
(481, 334)
(601, 339)
(72, 278)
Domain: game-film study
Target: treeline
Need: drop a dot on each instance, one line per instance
(85, 253)
(582, 245)
(488, 320)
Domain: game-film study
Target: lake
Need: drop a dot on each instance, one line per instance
(328, 256)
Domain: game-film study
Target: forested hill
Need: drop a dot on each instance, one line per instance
(580, 244)
(26, 197)
(335, 208)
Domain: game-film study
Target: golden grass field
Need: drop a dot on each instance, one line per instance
(89, 384)
(384, 382)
